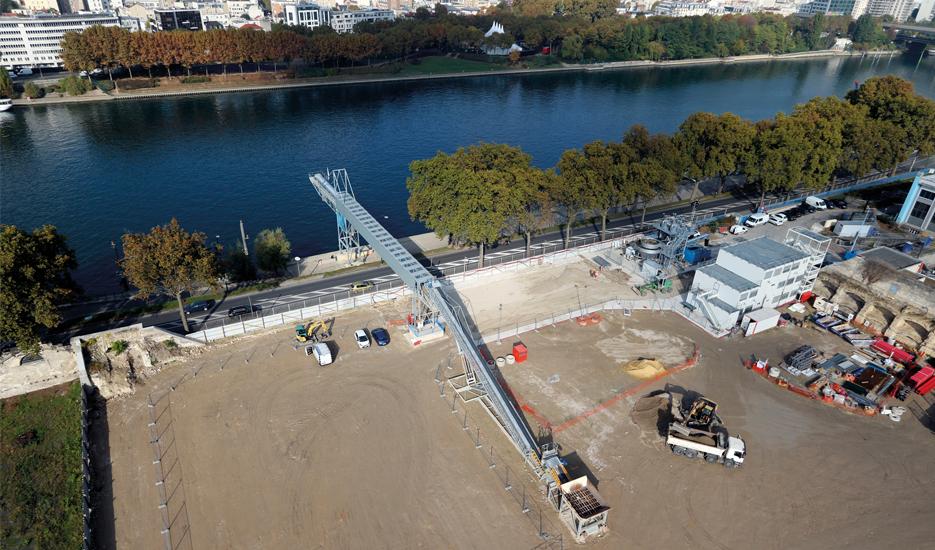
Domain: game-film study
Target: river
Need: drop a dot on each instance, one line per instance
(101, 169)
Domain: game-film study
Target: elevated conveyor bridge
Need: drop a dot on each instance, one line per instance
(431, 298)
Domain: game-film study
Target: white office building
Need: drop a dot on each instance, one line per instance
(926, 11)
(36, 41)
(899, 10)
(306, 15)
(344, 20)
(756, 274)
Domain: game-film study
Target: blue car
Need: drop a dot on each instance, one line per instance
(380, 336)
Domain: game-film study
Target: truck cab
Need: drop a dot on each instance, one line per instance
(736, 451)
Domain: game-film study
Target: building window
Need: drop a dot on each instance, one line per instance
(919, 210)
(927, 194)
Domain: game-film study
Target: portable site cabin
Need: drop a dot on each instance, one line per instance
(583, 509)
(757, 321)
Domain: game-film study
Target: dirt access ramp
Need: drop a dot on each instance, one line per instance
(278, 453)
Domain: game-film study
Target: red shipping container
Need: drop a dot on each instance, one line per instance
(926, 386)
(921, 376)
(889, 350)
(520, 352)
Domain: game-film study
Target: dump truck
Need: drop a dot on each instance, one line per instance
(715, 447)
(696, 432)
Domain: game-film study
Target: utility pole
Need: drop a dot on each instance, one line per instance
(243, 239)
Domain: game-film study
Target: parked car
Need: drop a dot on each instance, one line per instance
(237, 311)
(738, 229)
(793, 214)
(322, 353)
(757, 219)
(200, 305)
(837, 203)
(778, 218)
(25, 71)
(361, 286)
(815, 202)
(380, 336)
(360, 336)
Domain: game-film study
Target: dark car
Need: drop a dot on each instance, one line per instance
(201, 305)
(793, 214)
(837, 203)
(237, 311)
(380, 336)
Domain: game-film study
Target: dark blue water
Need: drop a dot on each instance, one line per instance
(99, 170)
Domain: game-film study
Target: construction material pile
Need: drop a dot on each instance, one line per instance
(644, 368)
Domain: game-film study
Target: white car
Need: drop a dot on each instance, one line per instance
(363, 341)
(778, 218)
(757, 219)
(738, 230)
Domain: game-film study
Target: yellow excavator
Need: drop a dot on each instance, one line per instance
(314, 331)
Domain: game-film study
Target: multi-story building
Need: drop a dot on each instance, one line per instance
(98, 6)
(173, 20)
(36, 41)
(680, 9)
(132, 24)
(756, 274)
(918, 210)
(926, 11)
(899, 10)
(853, 8)
(239, 8)
(344, 20)
(306, 15)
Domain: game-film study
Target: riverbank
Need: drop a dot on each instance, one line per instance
(342, 80)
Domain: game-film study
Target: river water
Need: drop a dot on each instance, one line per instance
(99, 170)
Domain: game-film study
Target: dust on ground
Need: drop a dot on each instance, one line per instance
(264, 449)
(814, 477)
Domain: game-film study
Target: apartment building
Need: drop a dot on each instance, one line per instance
(36, 41)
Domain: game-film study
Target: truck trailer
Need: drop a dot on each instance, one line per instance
(717, 448)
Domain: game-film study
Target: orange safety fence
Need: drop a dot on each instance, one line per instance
(602, 406)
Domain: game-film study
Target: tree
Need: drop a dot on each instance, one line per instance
(6, 83)
(867, 31)
(714, 146)
(473, 196)
(32, 91)
(534, 8)
(34, 278)
(168, 260)
(273, 251)
(441, 10)
(892, 99)
(237, 266)
(655, 165)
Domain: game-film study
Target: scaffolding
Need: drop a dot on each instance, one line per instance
(675, 232)
(813, 244)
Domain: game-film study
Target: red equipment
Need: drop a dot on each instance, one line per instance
(520, 352)
(889, 350)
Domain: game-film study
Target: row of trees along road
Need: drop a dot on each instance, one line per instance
(35, 272)
(486, 193)
(586, 31)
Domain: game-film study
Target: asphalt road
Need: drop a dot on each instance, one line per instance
(339, 286)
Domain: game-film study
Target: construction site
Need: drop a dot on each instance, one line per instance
(575, 398)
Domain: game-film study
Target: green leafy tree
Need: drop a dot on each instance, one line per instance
(273, 250)
(35, 276)
(655, 166)
(237, 266)
(32, 91)
(714, 146)
(74, 85)
(473, 196)
(867, 32)
(892, 99)
(168, 260)
(6, 83)
(534, 8)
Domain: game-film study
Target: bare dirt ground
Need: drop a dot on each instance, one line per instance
(509, 298)
(281, 453)
(814, 477)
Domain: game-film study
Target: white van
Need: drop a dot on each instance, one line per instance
(815, 202)
(322, 353)
(757, 219)
(25, 71)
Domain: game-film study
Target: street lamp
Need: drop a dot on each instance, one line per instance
(499, 321)
(298, 268)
